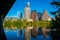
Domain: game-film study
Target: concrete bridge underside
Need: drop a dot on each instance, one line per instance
(5, 6)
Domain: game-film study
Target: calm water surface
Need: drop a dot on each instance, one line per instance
(13, 35)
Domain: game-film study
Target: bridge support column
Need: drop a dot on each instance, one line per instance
(2, 34)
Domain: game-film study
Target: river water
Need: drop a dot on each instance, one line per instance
(14, 35)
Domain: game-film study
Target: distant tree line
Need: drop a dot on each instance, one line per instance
(23, 23)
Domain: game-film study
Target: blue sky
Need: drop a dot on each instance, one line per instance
(38, 5)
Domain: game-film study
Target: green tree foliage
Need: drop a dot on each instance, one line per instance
(56, 23)
(44, 24)
(23, 23)
(9, 23)
(5, 23)
(56, 3)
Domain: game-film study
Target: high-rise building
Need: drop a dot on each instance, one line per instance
(39, 15)
(19, 14)
(27, 11)
(45, 16)
(34, 15)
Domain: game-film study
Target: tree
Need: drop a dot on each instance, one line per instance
(9, 23)
(56, 23)
(4, 23)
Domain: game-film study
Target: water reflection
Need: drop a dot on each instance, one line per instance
(19, 35)
(19, 32)
(39, 31)
(41, 37)
(7, 29)
(15, 30)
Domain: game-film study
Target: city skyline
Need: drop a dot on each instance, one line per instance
(20, 4)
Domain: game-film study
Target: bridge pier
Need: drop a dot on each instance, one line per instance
(2, 34)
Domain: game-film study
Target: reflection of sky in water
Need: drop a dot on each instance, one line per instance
(13, 35)
(41, 38)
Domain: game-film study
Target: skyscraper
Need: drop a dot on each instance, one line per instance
(19, 14)
(45, 16)
(34, 15)
(27, 11)
(39, 15)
